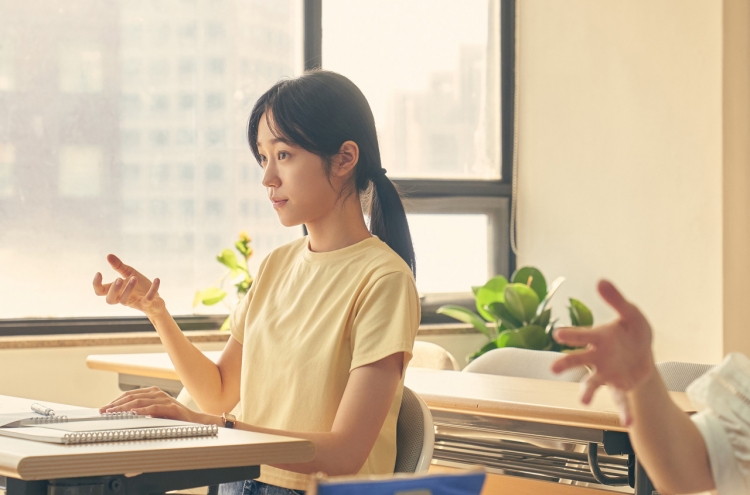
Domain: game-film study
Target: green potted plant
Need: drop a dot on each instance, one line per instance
(237, 273)
(518, 313)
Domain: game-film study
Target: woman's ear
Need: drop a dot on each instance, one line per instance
(345, 159)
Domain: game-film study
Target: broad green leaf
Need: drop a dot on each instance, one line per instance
(211, 296)
(521, 301)
(486, 348)
(501, 312)
(197, 298)
(462, 314)
(583, 314)
(510, 338)
(573, 317)
(475, 289)
(225, 325)
(534, 337)
(543, 319)
(228, 259)
(490, 292)
(550, 292)
(538, 283)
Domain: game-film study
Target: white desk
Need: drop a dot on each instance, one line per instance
(469, 408)
(147, 466)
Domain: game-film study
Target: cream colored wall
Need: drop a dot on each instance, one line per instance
(620, 108)
(60, 374)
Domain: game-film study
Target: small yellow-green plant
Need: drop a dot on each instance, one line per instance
(238, 274)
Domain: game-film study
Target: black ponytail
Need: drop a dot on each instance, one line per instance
(321, 110)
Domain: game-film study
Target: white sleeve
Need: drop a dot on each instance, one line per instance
(723, 397)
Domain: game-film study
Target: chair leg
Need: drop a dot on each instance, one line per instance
(213, 490)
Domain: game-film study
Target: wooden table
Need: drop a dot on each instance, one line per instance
(470, 408)
(137, 467)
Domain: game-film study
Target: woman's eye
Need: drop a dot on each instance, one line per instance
(283, 154)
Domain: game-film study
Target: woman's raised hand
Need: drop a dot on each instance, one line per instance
(132, 289)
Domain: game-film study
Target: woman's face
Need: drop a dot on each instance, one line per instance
(295, 179)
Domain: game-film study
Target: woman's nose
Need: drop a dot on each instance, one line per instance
(270, 178)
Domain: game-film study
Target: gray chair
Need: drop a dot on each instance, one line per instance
(677, 376)
(415, 435)
(523, 363)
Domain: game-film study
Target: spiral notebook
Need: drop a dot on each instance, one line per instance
(88, 426)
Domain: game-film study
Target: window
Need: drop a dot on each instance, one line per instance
(115, 148)
(7, 159)
(81, 69)
(156, 169)
(7, 66)
(80, 172)
(432, 76)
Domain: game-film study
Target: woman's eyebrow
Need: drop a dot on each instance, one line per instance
(276, 140)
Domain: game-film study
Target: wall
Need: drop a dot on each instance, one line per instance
(620, 141)
(60, 374)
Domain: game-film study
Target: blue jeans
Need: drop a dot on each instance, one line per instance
(252, 487)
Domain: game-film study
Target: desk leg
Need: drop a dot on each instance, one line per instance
(643, 485)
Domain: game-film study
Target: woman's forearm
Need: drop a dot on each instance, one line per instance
(666, 441)
(201, 376)
(334, 453)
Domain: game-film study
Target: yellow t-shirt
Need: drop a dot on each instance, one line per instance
(308, 320)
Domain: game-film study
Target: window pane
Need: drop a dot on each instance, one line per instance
(122, 131)
(430, 71)
(451, 251)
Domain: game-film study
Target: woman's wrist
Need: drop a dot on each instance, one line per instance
(209, 419)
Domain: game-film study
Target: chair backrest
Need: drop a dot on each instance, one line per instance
(463, 483)
(432, 356)
(677, 376)
(415, 435)
(523, 363)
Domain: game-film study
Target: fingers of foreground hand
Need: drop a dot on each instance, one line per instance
(614, 298)
(589, 387)
(113, 294)
(576, 337)
(573, 360)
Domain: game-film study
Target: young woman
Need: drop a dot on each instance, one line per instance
(319, 345)
(681, 454)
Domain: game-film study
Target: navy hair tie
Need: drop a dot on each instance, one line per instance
(380, 173)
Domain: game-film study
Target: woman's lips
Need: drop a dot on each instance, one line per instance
(278, 203)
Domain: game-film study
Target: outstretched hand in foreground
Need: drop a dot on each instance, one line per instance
(618, 353)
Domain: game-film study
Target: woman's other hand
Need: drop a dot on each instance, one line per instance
(133, 289)
(154, 402)
(619, 352)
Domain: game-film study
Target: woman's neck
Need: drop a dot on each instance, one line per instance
(342, 227)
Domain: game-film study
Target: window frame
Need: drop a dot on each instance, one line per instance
(490, 197)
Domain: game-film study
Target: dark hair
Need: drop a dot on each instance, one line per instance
(321, 110)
